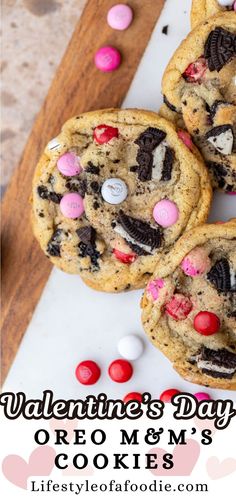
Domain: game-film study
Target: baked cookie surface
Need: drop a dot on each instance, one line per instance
(202, 9)
(95, 189)
(189, 306)
(199, 89)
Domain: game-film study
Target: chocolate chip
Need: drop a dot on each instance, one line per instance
(168, 104)
(140, 230)
(220, 276)
(168, 164)
(220, 48)
(150, 139)
(92, 169)
(53, 248)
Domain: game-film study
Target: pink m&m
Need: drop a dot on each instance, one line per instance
(235, 5)
(186, 138)
(107, 59)
(69, 164)
(120, 16)
(196, 263)
(71, 205)
(202, 396)
(166, 213)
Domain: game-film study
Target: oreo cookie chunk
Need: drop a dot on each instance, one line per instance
(139, 234)
(94, 196)
(220, 48)
(220, 363)
(199, 82)
(87, 245)
(222, 276)
(189, 305)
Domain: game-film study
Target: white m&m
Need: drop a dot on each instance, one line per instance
(225, 3)
(114, 191)
(130, 347)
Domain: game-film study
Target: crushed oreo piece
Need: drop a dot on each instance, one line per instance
(140, 230)
(145, 161)
(45, 194)
(168, 164)
(222, 138)
(133, 168)
(219, 172)
(165, 29)
(92, 169)
(150, 139)
(220, 276)
(87, 247)
(220, 48)
(77, 185)
(168, 104)
(216, 105)
(54, 248)
(95, 186)
(217, 363)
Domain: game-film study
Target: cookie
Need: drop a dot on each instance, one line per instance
(200, 94)
(189, 305)
(202, 9)
(99, 187)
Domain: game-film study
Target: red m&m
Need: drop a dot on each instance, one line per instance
(179, 306)
(206, 323)
(126, 258)
(120, 370)
(87, 372)
(168, 394)
(133, 396)
(103, 133)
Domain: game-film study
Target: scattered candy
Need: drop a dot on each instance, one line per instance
(130, 347)
(235, 6)
(154, 287)
(206, 323)
(87, 372)
(133, 396)
(54, 144)
(71, 205)
(186, 138)
(126, 258)
(166, 213)
(195, 71)
(120, 16)
(103, 133)
(114, 191)
(168, 394)
(196, 262)
(120, 371)
(107, 59)
(202, 396)
(231, 193)
(69, 164)
(179, 307)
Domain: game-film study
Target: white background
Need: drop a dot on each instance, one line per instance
(72, 322)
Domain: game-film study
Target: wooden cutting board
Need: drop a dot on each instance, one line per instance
(77, 87)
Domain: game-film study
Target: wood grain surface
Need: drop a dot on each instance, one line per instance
(77, 87)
